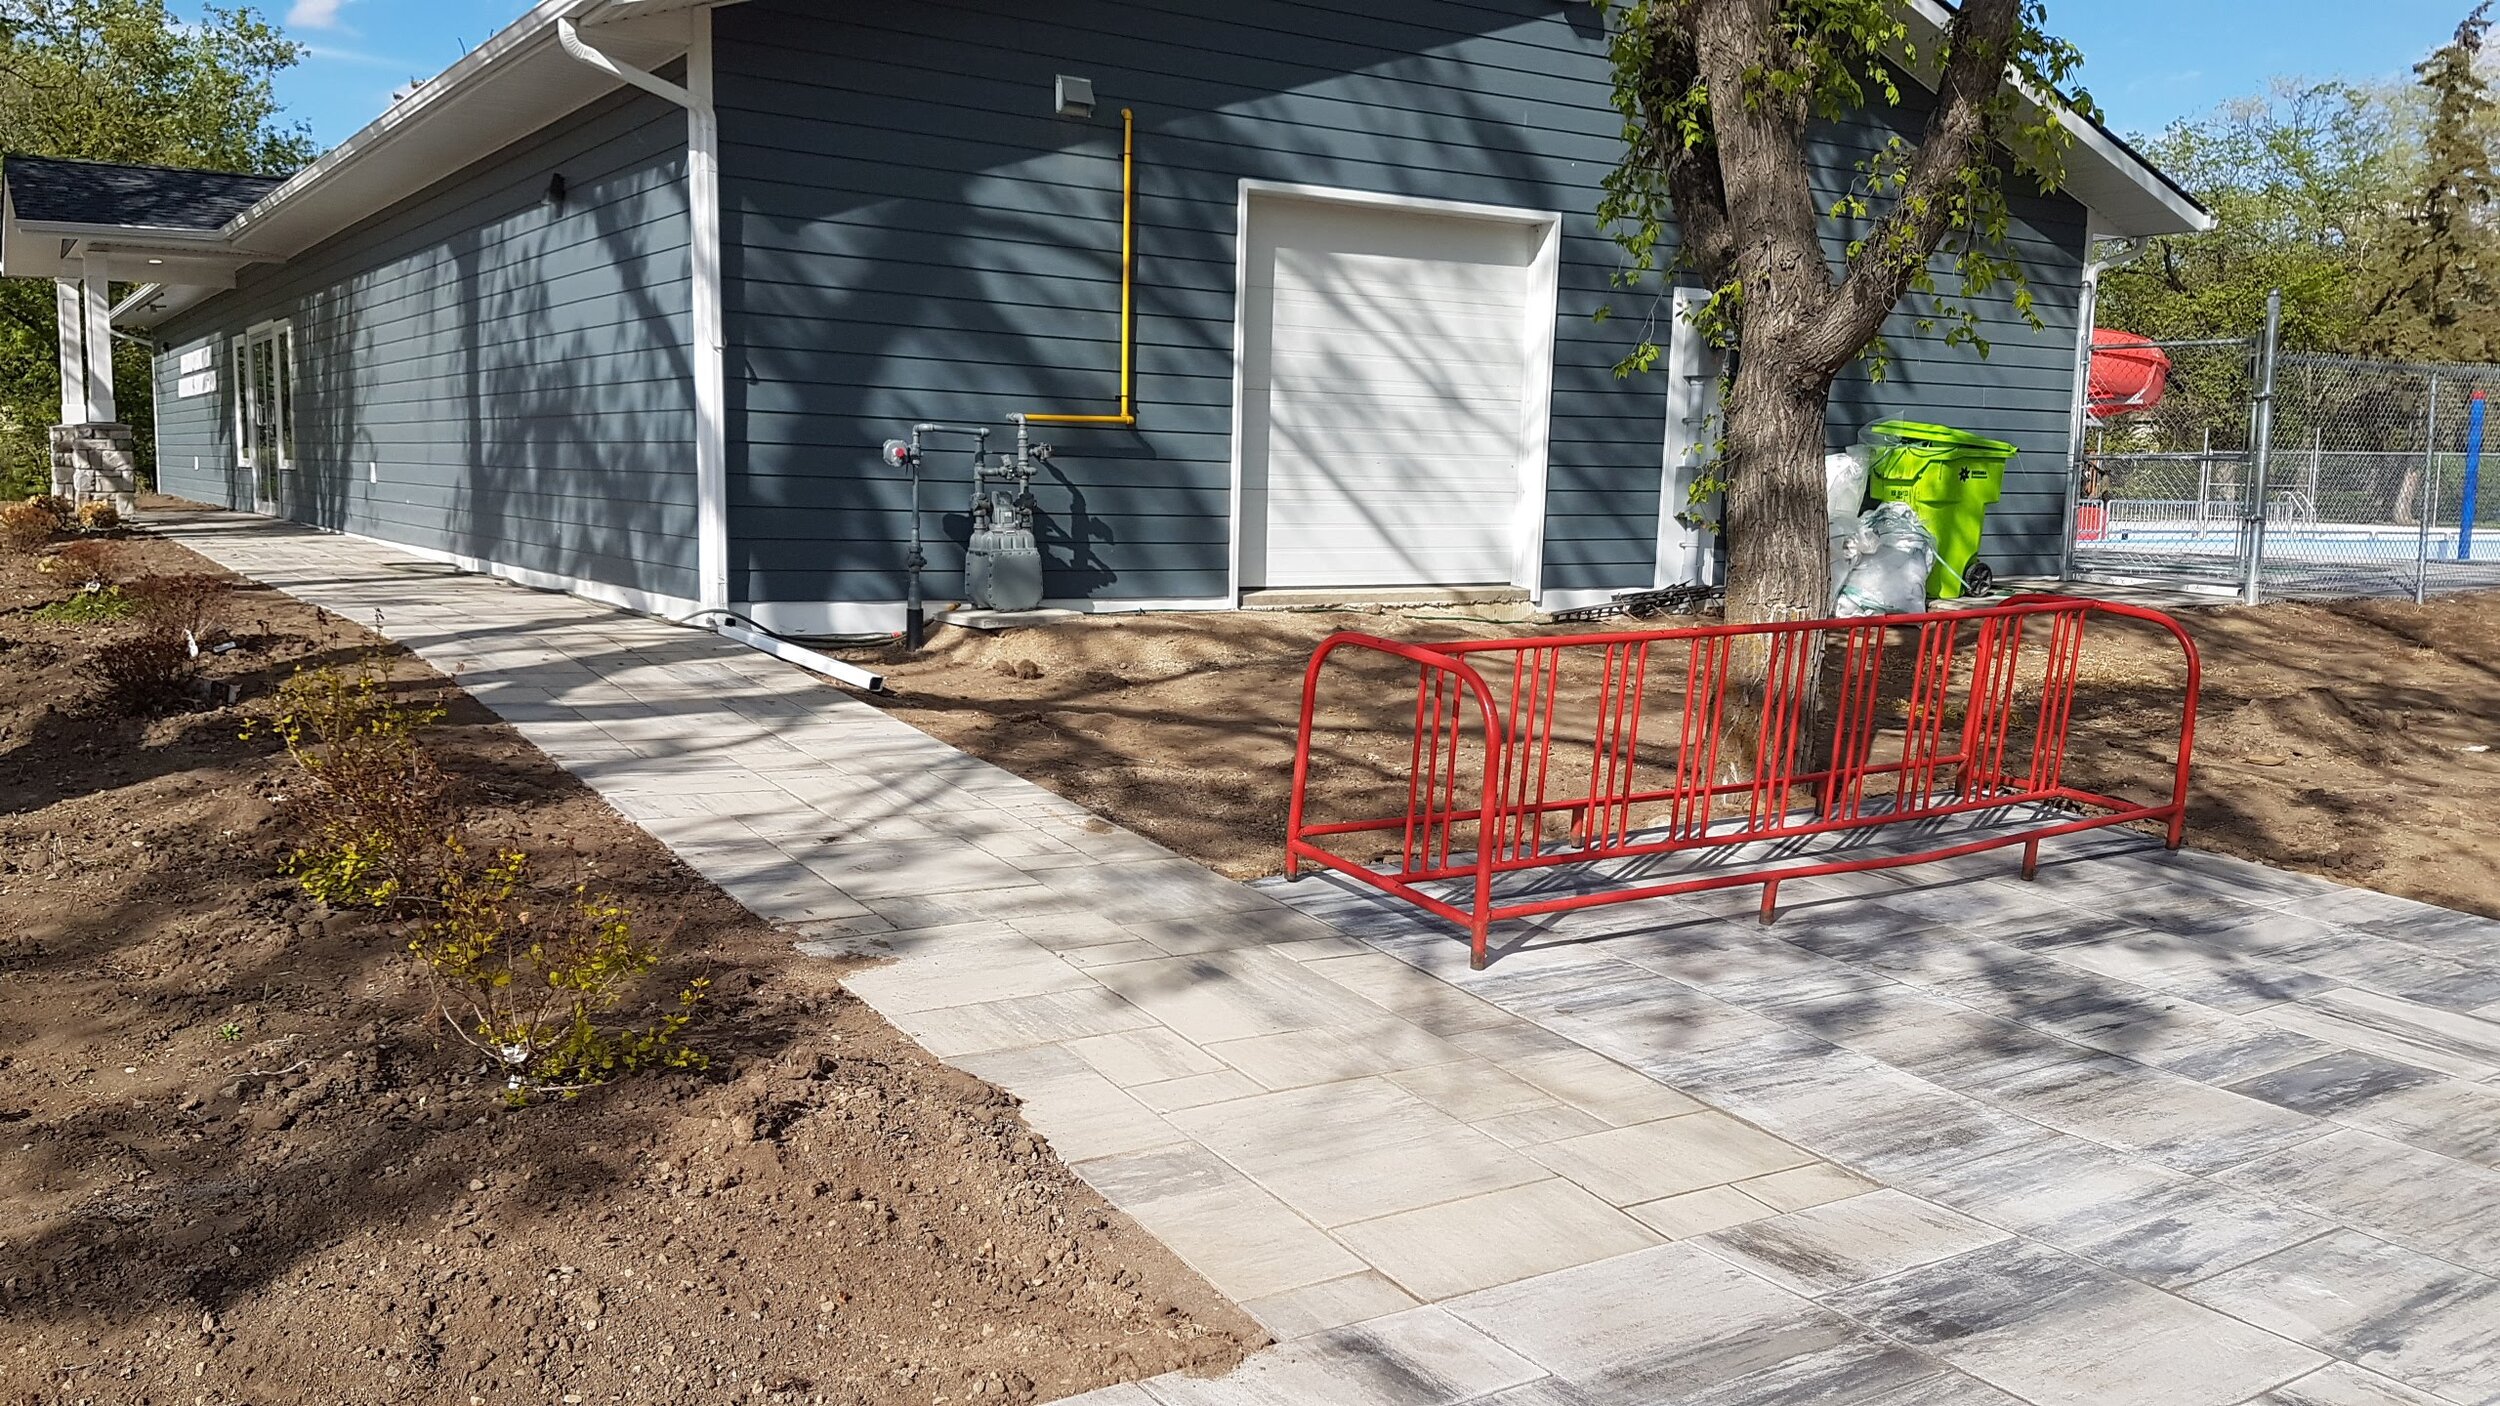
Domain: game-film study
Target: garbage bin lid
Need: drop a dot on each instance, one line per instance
(1919, 432)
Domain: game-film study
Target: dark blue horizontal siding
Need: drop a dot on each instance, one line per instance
(914, 235)
(483, 373)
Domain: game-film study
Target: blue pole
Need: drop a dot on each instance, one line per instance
(2473, 473)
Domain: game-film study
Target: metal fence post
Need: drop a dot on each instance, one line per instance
(2428, 495)
(2260, 446)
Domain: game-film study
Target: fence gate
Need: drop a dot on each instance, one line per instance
(2290, 474)
(2164, 493)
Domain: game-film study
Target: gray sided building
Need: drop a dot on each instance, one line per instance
(626, 302)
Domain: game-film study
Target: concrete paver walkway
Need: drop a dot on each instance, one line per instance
(2169, 1129)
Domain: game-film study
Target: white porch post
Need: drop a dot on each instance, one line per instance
(69, 305)
(100, 408)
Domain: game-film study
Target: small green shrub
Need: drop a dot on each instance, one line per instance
(533, 979)
(372, 804)
(93, 605)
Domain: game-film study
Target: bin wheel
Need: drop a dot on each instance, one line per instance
(1978, 579)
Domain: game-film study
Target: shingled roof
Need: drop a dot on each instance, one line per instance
(53, 190)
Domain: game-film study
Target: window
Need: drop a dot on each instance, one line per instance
(264, 409)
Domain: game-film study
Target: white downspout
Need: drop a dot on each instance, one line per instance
(711, 421)
(2087, 313)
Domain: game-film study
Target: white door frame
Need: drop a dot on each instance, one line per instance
(278, 334)
(1537, 336)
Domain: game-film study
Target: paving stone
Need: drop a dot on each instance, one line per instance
(1356, 1150)
(959, 966)
(1474, 1090)
(2422, 1321)
(1148, 1056)
(2339, 1384)
(2177, 1122)
(1025, 1020)
(1083, 1114)
(1623, 1326)
(1825, 1248)
(1552, 1123)
(1195, 1091)
(2447, 1116)
(1410, 994)
(1862, 1372)
(1700, 1212)
(2421, 1200)
(1422, 1357)
(1293, 1058)
(1801, 1187)
(1334, 1303)
(1247, 1243)
(1215, 996)
(1437, 1252)
(1596, 1085)
(1627, 1166)
(2045, 1326)
(2451, 1042)
(2332, 1083)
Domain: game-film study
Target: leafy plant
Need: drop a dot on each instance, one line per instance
(373, 804)
(92, 605)
(98, 516)
(532, 984)
(231, 1031)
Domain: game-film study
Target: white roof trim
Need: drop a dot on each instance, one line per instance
(2128, 197)
(521, 80)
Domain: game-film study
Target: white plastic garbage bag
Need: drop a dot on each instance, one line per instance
(1889, 557)
(1844, 482)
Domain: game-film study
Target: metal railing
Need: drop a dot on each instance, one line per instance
(1563, 772)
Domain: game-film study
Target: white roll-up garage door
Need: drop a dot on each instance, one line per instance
(1394, 376)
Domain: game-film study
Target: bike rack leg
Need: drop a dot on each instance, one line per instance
(2031, 859)
(1770, 901)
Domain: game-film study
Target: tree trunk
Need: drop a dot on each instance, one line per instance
(1778, 536)
(1778, 548)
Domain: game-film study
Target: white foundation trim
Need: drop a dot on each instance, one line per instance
(673, 609)
(885, 617)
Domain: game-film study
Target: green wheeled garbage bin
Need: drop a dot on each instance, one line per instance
(1949, 477)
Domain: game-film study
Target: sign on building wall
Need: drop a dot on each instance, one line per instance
(198, 369)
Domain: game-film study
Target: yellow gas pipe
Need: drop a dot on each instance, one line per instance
(1128, 272)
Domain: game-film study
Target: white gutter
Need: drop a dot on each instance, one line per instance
(711, 442)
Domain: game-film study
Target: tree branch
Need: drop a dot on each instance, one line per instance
(1958, 134)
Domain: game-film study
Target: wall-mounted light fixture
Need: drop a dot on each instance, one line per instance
(1075, 96)
(555, 191)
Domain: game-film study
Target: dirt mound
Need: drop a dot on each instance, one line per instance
(2338, 738)
(243, 1163)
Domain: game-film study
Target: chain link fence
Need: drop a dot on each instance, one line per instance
(2369, 474)
(2164, 490)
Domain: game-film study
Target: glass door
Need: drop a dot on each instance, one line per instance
(266, 432)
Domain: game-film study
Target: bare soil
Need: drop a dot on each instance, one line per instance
(240, 1163)
(2335, 739)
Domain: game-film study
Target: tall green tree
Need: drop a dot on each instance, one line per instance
(1719, 98)
(2439, 291)
(125, 81)
(2305, 182)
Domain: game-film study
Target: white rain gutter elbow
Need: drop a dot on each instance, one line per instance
(711, 423)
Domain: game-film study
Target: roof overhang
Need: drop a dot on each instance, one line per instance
(516, 82)
(521, 80)
(2128, 196)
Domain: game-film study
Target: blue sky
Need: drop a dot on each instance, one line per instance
(2148, 61)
